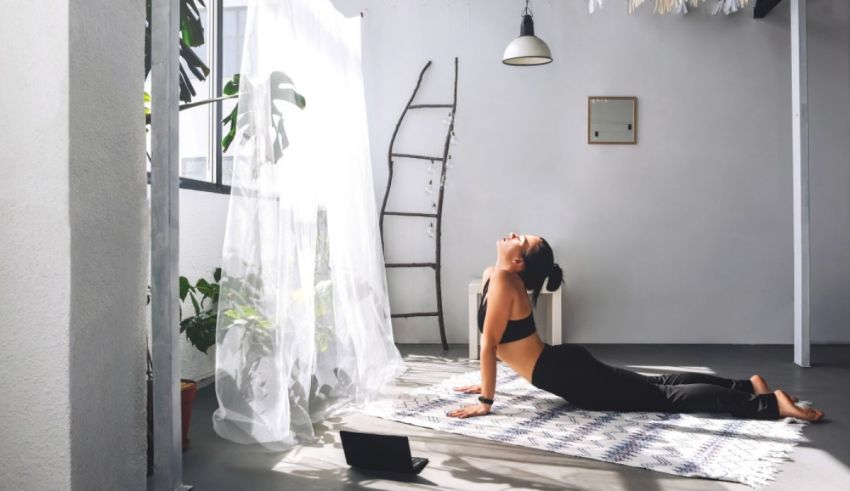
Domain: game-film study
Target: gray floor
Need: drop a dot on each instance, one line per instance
(821, 462)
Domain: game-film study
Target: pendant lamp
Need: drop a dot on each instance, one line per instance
(527, 49)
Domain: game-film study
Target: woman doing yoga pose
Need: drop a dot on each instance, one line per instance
(508, 333)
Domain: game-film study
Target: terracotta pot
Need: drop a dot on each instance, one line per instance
(188, 391)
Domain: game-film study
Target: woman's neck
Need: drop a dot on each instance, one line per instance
(501, 265)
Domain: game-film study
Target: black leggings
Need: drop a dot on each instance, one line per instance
(571, 372)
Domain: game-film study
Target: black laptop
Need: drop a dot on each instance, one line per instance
(380, 452)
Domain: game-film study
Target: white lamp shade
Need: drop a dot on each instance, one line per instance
(527, 50)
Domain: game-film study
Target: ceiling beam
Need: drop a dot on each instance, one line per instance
(763, 7)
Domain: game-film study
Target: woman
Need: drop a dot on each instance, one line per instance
(570, 371)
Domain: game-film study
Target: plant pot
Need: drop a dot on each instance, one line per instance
(188, 391)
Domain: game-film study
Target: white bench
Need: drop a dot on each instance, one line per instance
(549, 323)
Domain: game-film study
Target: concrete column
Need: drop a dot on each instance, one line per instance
(74, 253)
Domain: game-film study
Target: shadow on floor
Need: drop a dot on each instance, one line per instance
(821, 462)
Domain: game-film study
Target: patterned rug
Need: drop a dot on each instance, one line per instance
(713, 446)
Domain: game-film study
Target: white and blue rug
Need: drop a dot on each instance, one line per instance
(714, 446)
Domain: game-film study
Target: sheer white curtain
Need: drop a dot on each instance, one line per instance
(304, 323)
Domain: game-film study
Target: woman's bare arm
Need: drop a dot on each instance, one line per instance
(499, 300)
(476, 389)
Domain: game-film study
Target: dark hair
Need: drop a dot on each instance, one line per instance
(540, 264)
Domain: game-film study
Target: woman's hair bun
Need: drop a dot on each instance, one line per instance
(556, 277)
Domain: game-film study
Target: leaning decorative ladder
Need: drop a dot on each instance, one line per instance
(437, 215)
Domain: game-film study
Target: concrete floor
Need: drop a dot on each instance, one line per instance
(821, 462)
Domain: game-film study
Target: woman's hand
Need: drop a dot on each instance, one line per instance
(469, 389)
(470, 411)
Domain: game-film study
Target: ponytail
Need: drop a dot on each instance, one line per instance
(540, 264)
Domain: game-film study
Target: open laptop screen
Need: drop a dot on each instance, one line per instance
(378, 452)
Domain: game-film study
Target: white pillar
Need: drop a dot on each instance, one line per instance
(168, 457)
(73, 261)
(800, 146)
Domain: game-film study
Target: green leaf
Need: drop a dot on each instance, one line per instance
(232, 85)
(217, 275)
(201, 332)
(247, 310)
(191, 26)
(231, 133)
(214, 296)
(281, 90)
(195, 303)
(193, 62)
(184, 288)
(300, 101)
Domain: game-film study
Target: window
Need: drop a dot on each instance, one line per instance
(193, 168)
(203, 165)
(233, 37)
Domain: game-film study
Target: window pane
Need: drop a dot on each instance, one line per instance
(195, 122)
(194, 168)
(227, 170)
(195, 141)
(227, 157)
(233, 37)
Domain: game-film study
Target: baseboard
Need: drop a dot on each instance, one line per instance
(205, 380)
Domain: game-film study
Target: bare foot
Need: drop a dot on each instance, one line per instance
(760, 386)
(787, 408)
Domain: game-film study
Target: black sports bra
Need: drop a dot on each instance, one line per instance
(516, 329)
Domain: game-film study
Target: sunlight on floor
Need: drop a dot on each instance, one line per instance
(818, 463)
(671, 368)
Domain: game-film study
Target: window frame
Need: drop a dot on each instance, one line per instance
(215, 155)
(216, 23)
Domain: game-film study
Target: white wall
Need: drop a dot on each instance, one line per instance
(202, 219)
(829, 168)
(35, 263)
(683, 238)
(72, 272)
(203, 216)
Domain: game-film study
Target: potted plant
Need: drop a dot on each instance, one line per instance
(199, 328)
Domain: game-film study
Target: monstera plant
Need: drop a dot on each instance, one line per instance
(192, 67)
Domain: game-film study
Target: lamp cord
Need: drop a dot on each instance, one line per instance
(527, 10)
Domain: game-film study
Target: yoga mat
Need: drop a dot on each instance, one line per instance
(715, 446)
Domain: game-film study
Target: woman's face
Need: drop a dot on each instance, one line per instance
(512, 247)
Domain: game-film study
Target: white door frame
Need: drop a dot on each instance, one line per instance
(800, 151)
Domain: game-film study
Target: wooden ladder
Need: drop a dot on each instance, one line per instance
(437, 216)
